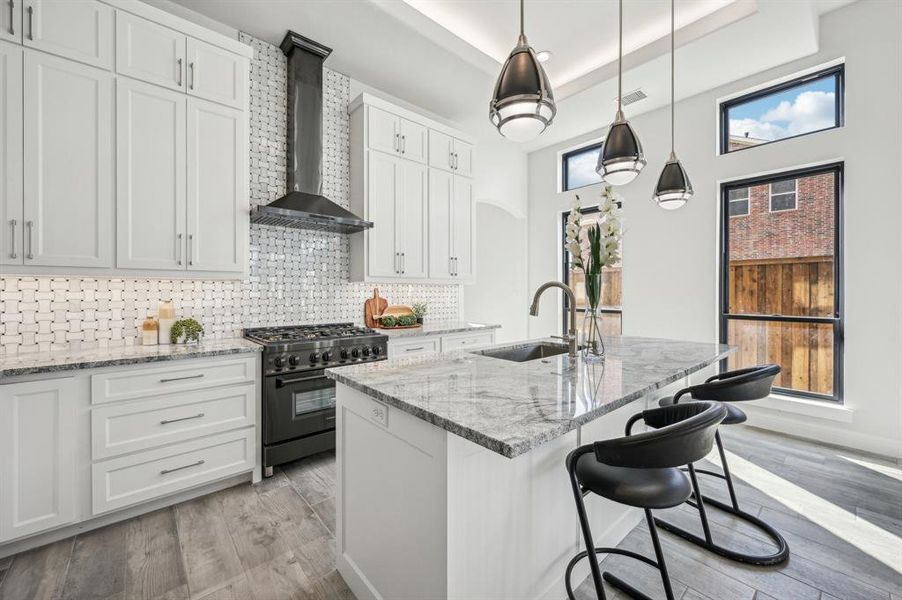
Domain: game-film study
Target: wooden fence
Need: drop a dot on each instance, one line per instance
(790, 287)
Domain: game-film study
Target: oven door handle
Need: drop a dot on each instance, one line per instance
(282, 381)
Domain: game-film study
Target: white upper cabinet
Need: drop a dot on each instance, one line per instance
(11, 226)
(387, 132)
(68, 208)
(37, 456)
(150, 52)
(217, 187)
(79, 30)
(216, 74)
(414, 143)
(449, 153)
(150, 201)
(11, 21)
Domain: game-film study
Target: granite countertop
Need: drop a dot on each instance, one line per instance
(439, 328)
(35, 363)
(511, 407)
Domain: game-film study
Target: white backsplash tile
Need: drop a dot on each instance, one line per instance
(294, 276)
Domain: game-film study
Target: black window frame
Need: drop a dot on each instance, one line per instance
(569, 154)
(839, 106)
(838, 169)
(565, 271)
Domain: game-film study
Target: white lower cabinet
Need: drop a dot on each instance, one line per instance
(413, 346)
(430, 344)
(37, 456)
(467, 341)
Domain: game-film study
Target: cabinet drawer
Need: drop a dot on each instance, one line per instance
(413, 347)
(127, 480)
(467, 341)
(130, 426)
(182, 376)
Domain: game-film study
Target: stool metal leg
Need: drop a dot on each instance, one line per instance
(587, 536)
(661, 564)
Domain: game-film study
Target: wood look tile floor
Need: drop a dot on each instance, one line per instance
(840, 511)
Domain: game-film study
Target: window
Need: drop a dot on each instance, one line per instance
(783, 195)
(578, 167)
(781, 280)
(739, 202)
(798, 107)
(611, 287)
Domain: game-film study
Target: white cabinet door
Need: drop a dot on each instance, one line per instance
(411, 219)
(382, 130)
(441, 194)
(11, 21)
(150, 52)
(216, 74)
(37, 456)
(68, 163)
(463, 158)
(462, 228)
(414, 141)
(440, 150)
(11, 226)
(80, 30)
(150, 159)
(217, 187)
(383, 256)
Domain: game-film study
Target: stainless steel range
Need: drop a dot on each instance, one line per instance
(298, 398)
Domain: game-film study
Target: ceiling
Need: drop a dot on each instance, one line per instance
(444, 55)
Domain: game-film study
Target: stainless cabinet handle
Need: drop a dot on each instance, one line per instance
(403, 263)
(12, 17)
(167, 380)
(12, 228)
(197, 464)
(30, 226)
(190, 248)
(191, 75)
(397, 269)
(179, 72)
(168, 421)
(414, 349)
(403, 144)
(178, 248)
(396, 143)
(30, 23)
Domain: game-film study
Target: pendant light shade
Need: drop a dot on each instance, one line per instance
(522, 106)
(674, 188)
(621, 158)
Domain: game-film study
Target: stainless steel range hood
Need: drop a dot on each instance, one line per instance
(304, 206)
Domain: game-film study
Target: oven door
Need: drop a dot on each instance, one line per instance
(297, 404)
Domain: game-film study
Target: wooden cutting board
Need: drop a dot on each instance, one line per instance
(373, 307)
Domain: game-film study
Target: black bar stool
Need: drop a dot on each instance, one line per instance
(752, 383)
(642, 470)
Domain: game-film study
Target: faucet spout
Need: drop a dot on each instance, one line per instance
(570, 338)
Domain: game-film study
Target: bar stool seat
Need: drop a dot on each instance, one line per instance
(645, 488)
(734, 416)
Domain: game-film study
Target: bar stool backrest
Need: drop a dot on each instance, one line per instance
(683, 434)
(752, 383)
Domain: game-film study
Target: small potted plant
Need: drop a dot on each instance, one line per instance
(185, 331)
(419, 311)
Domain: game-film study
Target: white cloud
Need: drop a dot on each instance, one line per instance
(754, 128)
(810, 111)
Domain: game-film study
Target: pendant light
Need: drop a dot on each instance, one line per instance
(674, 188)
(523, 104)
(621, 158)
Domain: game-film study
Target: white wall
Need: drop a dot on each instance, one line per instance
(670, 259)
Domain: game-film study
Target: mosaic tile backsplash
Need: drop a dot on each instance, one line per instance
(294, 276)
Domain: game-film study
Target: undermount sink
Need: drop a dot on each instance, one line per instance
(525, 352)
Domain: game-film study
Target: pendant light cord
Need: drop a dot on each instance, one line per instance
(521, 18)
(672, 77)
(620, 60)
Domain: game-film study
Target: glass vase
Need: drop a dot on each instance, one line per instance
(591, 341)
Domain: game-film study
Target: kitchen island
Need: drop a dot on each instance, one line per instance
(451, 478)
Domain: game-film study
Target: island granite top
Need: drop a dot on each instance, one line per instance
(511, 408)
(68, 359)
(439, 328)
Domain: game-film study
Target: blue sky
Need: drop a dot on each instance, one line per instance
(808, 107)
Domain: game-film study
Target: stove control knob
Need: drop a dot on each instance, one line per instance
(366, 352)
(279, 362)
(377, 350)
(355, 353)
(344, 355)
(327, 356)
(314, 357)
(293, 360)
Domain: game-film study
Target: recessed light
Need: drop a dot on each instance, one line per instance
(544, 55)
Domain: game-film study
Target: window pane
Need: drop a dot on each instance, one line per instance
(739, 194)
(611, 323)
(611, 290)
(580, 168)
(782, 263)
(739, 208)
(803, 108)
(781, 187)
(783, 202)
(804, 351)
